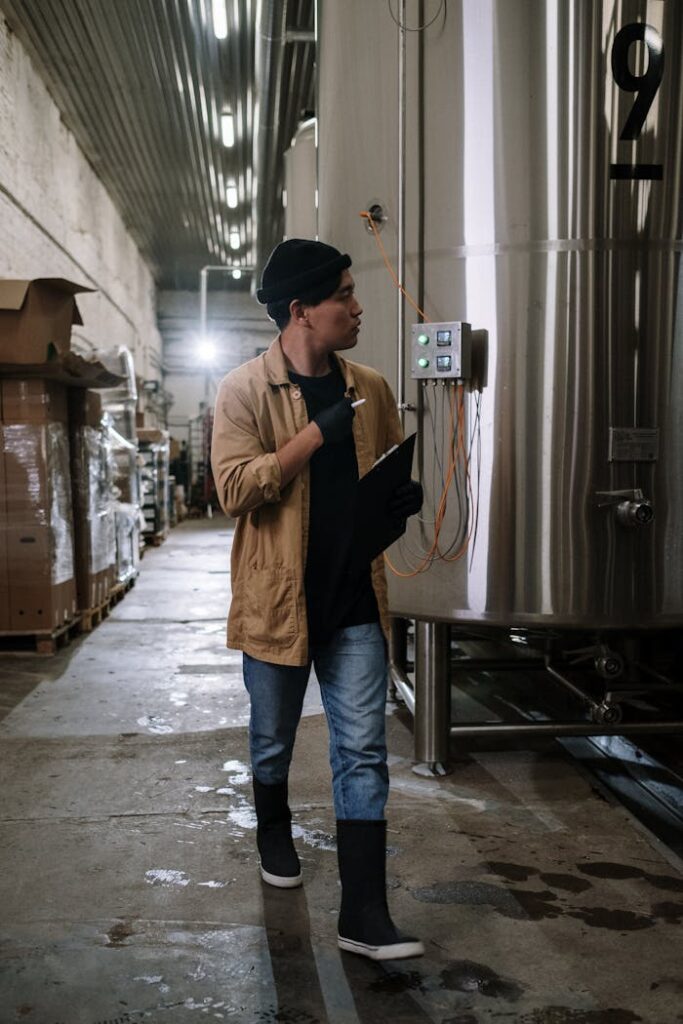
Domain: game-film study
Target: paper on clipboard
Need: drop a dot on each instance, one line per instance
(374, 528)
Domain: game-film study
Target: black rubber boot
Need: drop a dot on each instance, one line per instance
(365, 926)
(279, 862)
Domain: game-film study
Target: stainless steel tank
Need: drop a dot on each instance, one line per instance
(543, 205)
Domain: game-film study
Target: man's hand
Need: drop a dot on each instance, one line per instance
(405, 501)
(336, 421)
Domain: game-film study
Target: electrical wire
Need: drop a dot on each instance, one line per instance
(457, 471)
(420, 28)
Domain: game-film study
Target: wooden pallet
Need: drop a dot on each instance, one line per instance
(91, 617)
(32, 642)
(118, 592)
(155, 539)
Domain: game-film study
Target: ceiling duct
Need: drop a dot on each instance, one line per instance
(283, 79)
(271, 38)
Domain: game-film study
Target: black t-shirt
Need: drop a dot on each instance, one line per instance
(333, 600)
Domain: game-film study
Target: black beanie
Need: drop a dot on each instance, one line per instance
(297, 265)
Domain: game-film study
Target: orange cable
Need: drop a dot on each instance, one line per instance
(392, 272)
(460, 449)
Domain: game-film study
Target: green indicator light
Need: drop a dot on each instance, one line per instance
(424, 363)
(423, 339)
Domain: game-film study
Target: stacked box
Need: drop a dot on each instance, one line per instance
(35, 509)
(94, 520)
(4, 576)
(36, 319)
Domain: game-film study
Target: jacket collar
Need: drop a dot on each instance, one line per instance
(275, 366)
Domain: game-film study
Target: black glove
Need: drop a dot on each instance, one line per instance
(405, 501)
(335, 422)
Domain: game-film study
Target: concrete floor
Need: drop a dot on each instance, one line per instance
(129, 888)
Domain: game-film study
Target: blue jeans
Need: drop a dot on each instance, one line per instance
(352, 671)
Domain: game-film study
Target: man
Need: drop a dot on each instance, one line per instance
(288, 448)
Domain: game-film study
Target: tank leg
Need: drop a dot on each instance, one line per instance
(432, 697)
(398, 650)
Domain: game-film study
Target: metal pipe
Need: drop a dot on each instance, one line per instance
(432, 691)
(294, 36)
(571, 686)
(401, 243)
(203, 287)
(271, 22)
(398, 642)
(402, 684)
(398, 648)
(563, 729)
(500, 665)
(657, 675)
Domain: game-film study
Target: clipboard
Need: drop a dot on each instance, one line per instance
(374, 529)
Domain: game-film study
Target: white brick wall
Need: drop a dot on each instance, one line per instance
(57, 220)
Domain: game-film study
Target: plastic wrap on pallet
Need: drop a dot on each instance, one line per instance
(61, 514)
(127, 519)
(93, 471)
(124, 458)
(119, 360)
(25, 458)
(38, 488)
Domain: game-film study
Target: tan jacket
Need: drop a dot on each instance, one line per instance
(258, 410)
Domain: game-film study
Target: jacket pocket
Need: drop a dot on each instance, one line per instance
(270, 604)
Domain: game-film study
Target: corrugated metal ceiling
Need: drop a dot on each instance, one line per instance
(143, 85)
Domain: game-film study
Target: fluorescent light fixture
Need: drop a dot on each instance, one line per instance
(237, 273)
(284, 199)
(220, 19)
(234, 239)
(231, 194)
(228, 129)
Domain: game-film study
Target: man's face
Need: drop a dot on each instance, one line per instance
(336, 320)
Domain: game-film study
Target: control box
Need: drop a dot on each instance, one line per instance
(441, 351)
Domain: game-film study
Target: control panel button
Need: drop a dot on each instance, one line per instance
(423, 362)
(423, 339)
(443, 363)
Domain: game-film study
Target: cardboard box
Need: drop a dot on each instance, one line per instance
(31, 476)
(36, 603)
(41, 609)
(85, 408)
(152, 435)
(69, 368)
(92, 589)
(4, 578)
(93, 513)
(36, 318)
(36, 521)
(33, 401)
(92, 585)
(30, 410)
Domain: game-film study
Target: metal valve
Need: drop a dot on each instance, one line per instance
(635, 513)
(631, 507)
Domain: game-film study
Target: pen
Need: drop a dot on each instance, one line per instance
(359, 402)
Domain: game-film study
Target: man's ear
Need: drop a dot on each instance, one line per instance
(297, 312)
